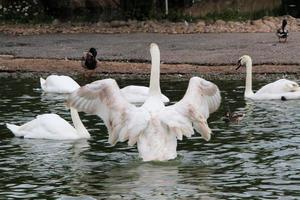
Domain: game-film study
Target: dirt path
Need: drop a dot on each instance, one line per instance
(128, 53)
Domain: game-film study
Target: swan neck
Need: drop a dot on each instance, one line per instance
(155, 73)
(248, 90)
(80, 128)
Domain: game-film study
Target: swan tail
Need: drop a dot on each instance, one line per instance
(14, 129)
(43, 83)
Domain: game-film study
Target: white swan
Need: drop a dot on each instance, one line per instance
(59, 84)
(139, 94)
(65, 84)
(51, 126)
(280, 89)
(153, 126)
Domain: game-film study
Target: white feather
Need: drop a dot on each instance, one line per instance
(138, 94)
(276, 90)
(51, 126)
(65, 84)
(153, 126)
(58, 84)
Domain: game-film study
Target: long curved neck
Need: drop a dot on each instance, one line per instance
(248, 90)
(155, 72)
(81, 130)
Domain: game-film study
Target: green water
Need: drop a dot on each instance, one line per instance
(258, 158)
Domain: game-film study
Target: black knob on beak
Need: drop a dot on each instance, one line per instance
(239, 64)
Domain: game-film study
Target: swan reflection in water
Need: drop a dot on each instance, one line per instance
(156, 180)
(44, 157)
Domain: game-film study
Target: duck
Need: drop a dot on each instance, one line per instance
(281, 89)
(58, 84)
(51, 126)
(154, 126)
(89, 60)
(282, 33)
(233, 117)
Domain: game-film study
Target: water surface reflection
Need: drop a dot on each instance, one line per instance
(257, 158)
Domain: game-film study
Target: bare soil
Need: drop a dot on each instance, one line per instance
(108, 67)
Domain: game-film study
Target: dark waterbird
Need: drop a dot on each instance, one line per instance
(89, 60)
(282, 33)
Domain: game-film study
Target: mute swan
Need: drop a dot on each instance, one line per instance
(133, 93)
(51, 126)
(280, 89)
(89, 60)
(139, 94)
(65, 84)
(153, 126)
(59, 84)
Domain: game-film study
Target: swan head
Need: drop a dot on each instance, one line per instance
(243, 61)
(292, 87)
(153, 48)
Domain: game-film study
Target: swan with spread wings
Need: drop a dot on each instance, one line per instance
(153, 126)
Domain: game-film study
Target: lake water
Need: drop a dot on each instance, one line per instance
(258, 158)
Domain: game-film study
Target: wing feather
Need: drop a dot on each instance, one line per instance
(192, 111)
(103, 98)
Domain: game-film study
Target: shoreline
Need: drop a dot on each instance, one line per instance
(65, 66)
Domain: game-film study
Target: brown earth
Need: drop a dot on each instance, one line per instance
(105, 67)
(118, 55)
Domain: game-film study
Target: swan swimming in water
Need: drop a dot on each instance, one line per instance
(51, 126)
(59, 84)
(280, 89)
(65, 84)
(138, 94)
(153, 126)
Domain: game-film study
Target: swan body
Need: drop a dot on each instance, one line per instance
(138, 94)
(59, 84)
(51, 126)
(153, 126)
(65, 84)
(279, 89)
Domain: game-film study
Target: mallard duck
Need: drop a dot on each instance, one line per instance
(89, 60)
(282, 33)
(233, 117)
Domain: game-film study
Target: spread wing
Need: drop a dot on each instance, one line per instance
(123, 120)
(192, 111)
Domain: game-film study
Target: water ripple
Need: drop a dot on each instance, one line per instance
(257, 158)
